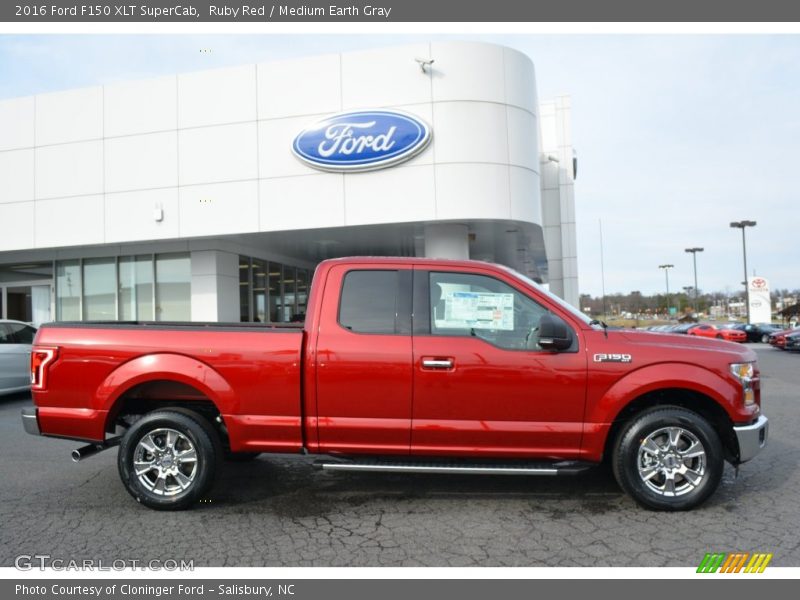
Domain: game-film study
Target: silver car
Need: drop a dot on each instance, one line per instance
(16, 338)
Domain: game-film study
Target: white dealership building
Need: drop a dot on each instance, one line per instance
(185, 197)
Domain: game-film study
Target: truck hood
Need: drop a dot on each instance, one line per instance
(675, 342)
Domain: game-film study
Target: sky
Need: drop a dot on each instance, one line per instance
(676, 135)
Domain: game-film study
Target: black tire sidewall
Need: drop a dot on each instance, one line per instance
(201, 436)
(626, 453)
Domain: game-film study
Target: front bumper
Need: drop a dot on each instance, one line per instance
(752, 438)
(30, 421)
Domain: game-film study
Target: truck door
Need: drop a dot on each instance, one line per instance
(482, 385)
(363, 370)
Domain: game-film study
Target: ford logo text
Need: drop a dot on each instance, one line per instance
(361, 140)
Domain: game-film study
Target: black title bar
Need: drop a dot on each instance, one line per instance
(381, 11)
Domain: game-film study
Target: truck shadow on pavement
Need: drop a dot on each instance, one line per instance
(292, 487)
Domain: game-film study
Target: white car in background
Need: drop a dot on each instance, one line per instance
(16, 338)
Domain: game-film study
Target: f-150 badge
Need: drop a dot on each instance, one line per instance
(620, 358)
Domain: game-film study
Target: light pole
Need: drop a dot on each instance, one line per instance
(694, 252)
(744, 225)
(666, 273)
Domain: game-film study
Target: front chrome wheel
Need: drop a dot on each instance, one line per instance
(671, 461)
(165, 462)
(668, 458)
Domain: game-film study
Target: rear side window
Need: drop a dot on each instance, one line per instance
(5, 335)
(369, 302)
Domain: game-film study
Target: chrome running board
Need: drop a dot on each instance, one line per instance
(466, 469)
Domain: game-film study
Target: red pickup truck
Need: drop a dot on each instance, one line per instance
(403, 365)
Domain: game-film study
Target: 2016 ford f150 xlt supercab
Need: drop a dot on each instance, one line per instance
(404, 365)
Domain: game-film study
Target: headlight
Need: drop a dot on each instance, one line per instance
(744, 372)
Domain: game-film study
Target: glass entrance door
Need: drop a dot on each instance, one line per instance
(27, 303)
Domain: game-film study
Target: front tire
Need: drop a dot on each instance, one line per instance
(167, 459)
(668, 458)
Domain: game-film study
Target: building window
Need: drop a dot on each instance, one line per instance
(244, 289)
(289, 294)
(99, 289)
(275, 292)
(68, 290)
(136, 288)
(260, 292)
(173, 287)
(130, 288)
(302, 294)
(270, 292)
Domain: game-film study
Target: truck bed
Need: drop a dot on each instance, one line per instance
(250, 373)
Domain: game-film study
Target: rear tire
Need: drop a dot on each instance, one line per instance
(765, 339)
(668, 458)
(168, 459)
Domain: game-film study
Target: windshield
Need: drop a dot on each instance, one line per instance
(560, 301)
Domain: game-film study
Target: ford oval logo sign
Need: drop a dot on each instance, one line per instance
(361, 140)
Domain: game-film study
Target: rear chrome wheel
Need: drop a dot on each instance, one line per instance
(168, 458)
(668, 458)
(165, 461)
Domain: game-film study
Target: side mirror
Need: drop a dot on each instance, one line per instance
(554, 334)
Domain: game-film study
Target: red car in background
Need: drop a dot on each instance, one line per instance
(721, 333)
(778, 339)
(792, 341)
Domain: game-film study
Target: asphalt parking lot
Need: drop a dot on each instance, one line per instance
(282, 512)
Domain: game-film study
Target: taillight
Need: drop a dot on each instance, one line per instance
(41, 358)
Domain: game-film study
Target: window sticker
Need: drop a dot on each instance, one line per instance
(478, 310)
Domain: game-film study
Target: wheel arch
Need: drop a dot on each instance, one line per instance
(686, 398)
(160, 381)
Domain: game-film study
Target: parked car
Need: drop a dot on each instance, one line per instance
(403, 365)
(681, 328)
(664, 328)
(16, 338)
(758, 332)
(719, 332)
(792, 341)
(778, 339)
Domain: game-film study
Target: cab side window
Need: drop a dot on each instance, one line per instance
(463, 304)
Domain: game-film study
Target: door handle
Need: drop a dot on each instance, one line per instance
(438, 363)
